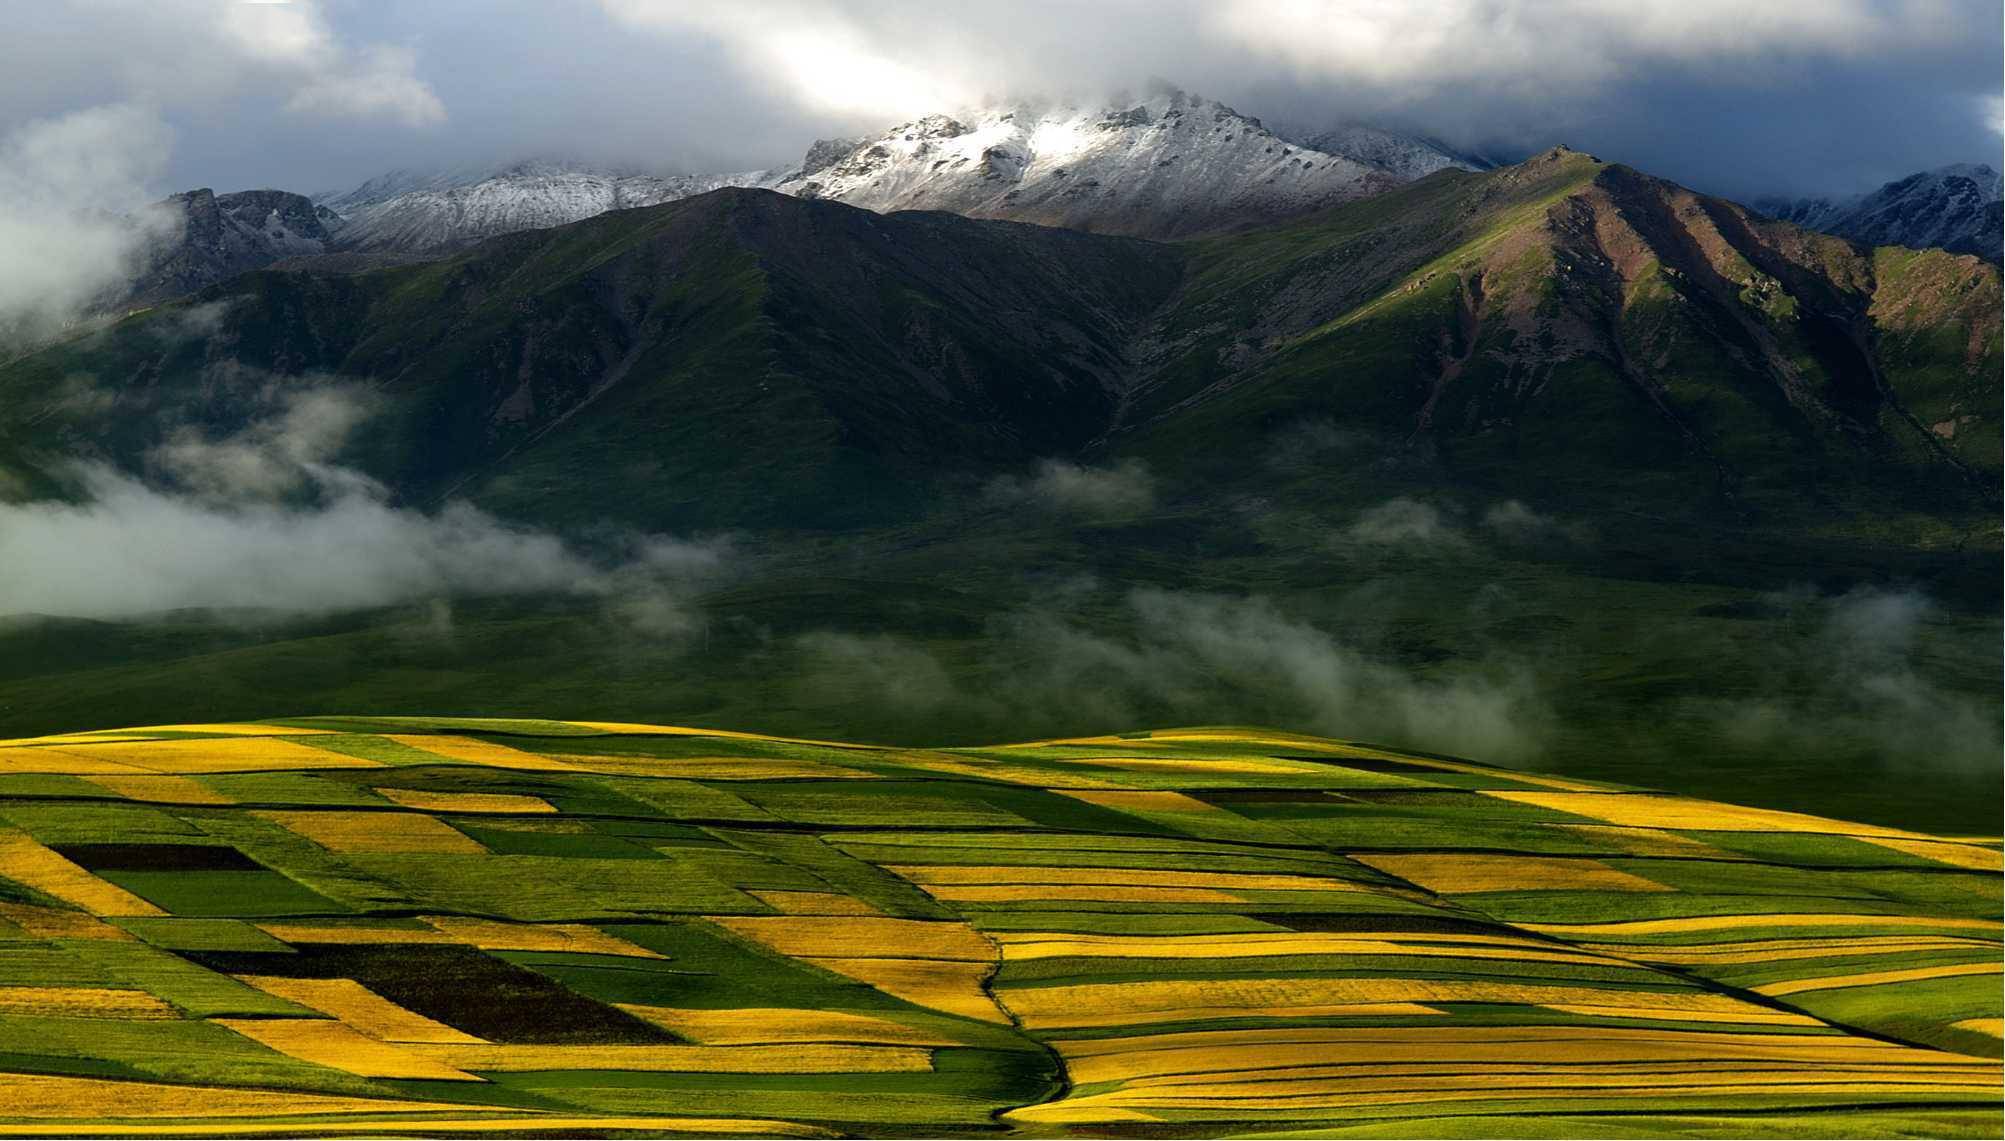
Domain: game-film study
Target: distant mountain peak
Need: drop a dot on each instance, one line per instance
(1169, 164)
(1954, 207)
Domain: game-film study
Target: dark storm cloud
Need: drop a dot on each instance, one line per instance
(1739, 96)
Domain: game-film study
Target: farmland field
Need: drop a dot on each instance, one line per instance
(351, 926)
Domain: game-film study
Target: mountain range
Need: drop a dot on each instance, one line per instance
(1172, 165)
(1956, 208)
(1559, 328)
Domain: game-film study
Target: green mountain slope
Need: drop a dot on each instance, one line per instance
(1568, 329)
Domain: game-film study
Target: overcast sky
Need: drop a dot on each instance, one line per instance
(1734, 96)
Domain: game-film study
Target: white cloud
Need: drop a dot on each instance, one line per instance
(1125, 488)
(264, 519)
(829, 55)
(1424, 43)
(206, 54)
(381, 83)
(66, 185)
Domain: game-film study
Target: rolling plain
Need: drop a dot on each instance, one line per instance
(451, 926)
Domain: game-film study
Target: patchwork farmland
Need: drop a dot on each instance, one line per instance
(433, 926)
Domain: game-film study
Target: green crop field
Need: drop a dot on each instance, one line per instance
(351, 926)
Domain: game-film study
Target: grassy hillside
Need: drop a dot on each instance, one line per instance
(336, 925)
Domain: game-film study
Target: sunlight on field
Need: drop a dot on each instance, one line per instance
(588, 927)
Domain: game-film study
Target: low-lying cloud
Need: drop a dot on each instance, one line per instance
(1854, 687)
(264, 519)
(1060, 487)
(1186, 657)
(1415, 524)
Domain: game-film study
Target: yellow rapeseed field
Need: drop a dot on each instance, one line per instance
(861, 936)
(1759, 919)
(215, 755)
(1112, 893)
(338, 1046)
(955, 987)
(803, 1058)
(478, 752)
(231, 729)
(767, 1025)
(1768, 951)
(56, 923)
(82, 1002)
(1746, 1012)
(1025, 945)
(38, 1096)
(959, 874)
(25, 861)
(811, 902)
(1170, 1000)
(1650, 810)
(1102, 1019)
(465, 801)
(363, 932)
(1144, 801)
(1651, 842)
(496, 935)
(359, 1007)
(532, 1122)
(67, 762)
(1458, 873)
(383, 833)
(161, 789)
(1978, 857)
(1877, 978)
(718, 768)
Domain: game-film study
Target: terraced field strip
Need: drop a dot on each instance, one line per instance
(459, 925)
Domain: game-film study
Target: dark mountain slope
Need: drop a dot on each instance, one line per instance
(217, 236)
(738, 358)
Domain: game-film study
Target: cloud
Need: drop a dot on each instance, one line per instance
(263, 519)
(1853, 688)
(1418, 45)
(1512, 522)
(213, 56)
(382, 82)
(1406, 522)
(1173, 656)
(69, 189)
(290, 449)
(831, 57)
(1125, 488)
(1760, 98)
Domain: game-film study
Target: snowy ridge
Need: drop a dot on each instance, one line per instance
(1170, 166)
(404, 212)
(1952, 207)
(1405, 157)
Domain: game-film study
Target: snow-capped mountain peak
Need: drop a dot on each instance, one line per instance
(1955, 207)
(1167, 166)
